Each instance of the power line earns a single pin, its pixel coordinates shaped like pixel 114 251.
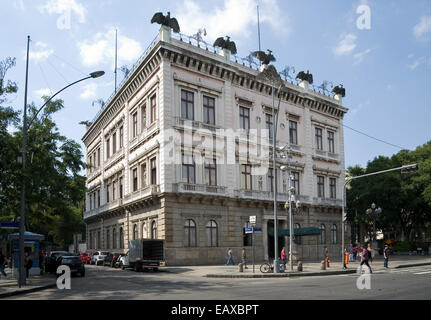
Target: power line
pixel 393 145
pixel 69 64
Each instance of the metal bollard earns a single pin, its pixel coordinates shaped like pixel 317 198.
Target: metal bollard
pixel 299 265
pixel 241 267
pixel 323 265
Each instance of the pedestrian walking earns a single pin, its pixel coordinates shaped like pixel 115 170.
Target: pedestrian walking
pixel 350 252
pixel 355 252
pixel 327 257
pixel 346 258
pixel 3 262
pixel 28 264
pixel 358 251
pixel 370 253
pixel 284 258
pixel 229 257
pixel 386 256
pixel 244 258
pixel 364 259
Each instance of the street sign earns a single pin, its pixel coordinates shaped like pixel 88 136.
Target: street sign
pixel 9 225
pixel 252 220
pixel 248 230
pixel 258 229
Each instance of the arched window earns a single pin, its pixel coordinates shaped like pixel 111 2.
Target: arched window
pixel 334 234
pixel 211 228
pixel 135 231
pixel 114 238
pixel 107 239
pixel 154 230
pixel 190 233
pixel 121 238
pixel 297 239
pixel 144 231
pixel 322 234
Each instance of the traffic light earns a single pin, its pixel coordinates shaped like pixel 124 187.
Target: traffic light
pixel 410 168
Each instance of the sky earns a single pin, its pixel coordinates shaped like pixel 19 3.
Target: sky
pixel 379 50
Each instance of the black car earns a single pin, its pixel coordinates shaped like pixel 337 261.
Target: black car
pixel 110 259
pixel 74 263
pixel 51 261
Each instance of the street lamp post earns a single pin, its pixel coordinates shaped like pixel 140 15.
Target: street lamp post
pixel 374 212
pixel 25 128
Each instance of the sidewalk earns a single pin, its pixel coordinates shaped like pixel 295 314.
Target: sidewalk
pixel 9 286
pixel 312 268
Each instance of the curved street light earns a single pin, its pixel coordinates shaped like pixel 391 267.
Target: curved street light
pixel 96 74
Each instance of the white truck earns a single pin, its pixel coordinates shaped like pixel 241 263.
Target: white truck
pixel 146 254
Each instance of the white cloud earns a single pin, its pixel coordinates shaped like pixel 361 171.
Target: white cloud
pixel 101 49
pixel 90 91
pixel 64 7
pixel 42 92
pixel 346 45
pixel 359 57
pixel 422 28
pixel 19 4
pixel 416 63
pixel 40 52
pixel 235 18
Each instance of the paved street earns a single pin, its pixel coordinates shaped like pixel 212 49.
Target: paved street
pixel 184 284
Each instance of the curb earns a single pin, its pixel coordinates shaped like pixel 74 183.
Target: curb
pixel 306 274
pixel 25 291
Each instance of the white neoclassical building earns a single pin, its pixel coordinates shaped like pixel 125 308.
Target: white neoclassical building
pixel 181 152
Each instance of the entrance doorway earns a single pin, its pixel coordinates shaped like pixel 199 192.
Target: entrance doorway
pixel 281 240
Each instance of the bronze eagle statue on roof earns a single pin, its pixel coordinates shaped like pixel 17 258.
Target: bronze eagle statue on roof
pixel 166 21
pixel 264 58
pixel 340 90
pixel 305 76
pixel 225 44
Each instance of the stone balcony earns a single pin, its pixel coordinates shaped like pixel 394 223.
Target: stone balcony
pixel 142 193
pixel 197 188
pixel 114 204
pixel 327 202
pixel 193 124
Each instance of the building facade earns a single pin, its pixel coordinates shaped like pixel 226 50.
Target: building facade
pixel 182 152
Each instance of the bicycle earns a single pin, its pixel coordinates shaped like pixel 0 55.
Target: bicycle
pixel 268 267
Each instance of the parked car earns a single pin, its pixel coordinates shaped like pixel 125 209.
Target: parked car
pixel 52 260
pixel 98 257
pixel 119 261
pixel 74 263
pixel 110 259
pixel 85 257
pixel 123 261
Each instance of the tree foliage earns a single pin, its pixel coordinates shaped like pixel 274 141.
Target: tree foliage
pixel 54 187
pixel 405 199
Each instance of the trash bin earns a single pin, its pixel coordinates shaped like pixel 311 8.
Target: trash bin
pixel 323 265
pixel 241 267
pixel 299 265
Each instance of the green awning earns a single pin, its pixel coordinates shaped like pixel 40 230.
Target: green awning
pixel 307 231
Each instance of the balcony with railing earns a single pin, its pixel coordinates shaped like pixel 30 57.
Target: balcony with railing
pixel 193 124
pixel 326 155
pixel 327 202
pixel 142 193
pixel 197 188
pixel 114 204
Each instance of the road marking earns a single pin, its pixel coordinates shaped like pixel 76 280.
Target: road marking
pixel 426 272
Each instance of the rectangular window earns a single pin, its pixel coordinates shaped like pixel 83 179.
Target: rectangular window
pixel 209 110
pixel 121 137
pixel 144 116
pixel 269 124
pixel 246 177
pixel 153 171
pixel 293 132
pixel 114 143
pixel 113 190
pixel 331 144
pixel 333 188
pixel 144 175
pixel 135 179
pixel 295 182
pixel 108 144
pixel 107 193
pixel 91 201
pixel 320 186
pixel 91 163
pixel 271 179
pixel 211 172
pixel 244 118
pixel 98 198
pixel 134 124
pixel 187 105
pixel 153 103
pixel 319 141
pixel 121 188
pixel 188 169
pixel 98 157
